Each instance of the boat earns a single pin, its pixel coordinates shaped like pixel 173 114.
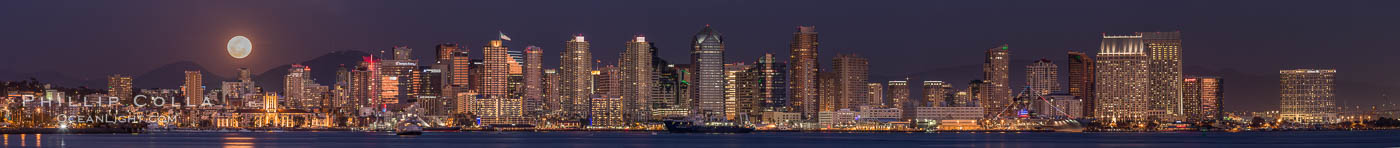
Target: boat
pixel 409 126
pixel 699 126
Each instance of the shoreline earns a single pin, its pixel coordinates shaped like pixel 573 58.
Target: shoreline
pixel 134 131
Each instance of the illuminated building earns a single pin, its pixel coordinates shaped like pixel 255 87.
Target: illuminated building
pixel 1043 77
pixel 669 88
pixel 876 92
pixel 1057 105
pixel 119 86
pixel 637 81
pixel 365 83
pixel 298 87
pixel 1202 96
pixel 429 93
pixel 552 102
pixel 607 81
pixel 1164 65
pixel 1081 80
pixel 837 119
pixel 731 89
pixel 396 76
pixel 763 88
pixel 707 57
pixel 458 77
pixel 534 95
pixel 606 112
pixel 829 87
pixel 575 67
pixel 1122 79
pixel 995 94
pixel 444 52
pixel 949 113
pixel 193 88
pixel 899 96
pixel 804 70
pixel 1308 95
pixel 851 79
pixel 496 68
pixel 937 93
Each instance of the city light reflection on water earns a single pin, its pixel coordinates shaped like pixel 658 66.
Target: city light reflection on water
pixel 238 142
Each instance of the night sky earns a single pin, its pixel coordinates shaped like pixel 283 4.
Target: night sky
pixel 91 39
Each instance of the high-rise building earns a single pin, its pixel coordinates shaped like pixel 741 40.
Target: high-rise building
pixel 1308 95
pixel 494 101
pixel 804 71
pixel 937 93
pixel 637 80
pixel 830 89
pixel 606 111
pixel 534 81
pixel 1043 77
pixel 396 76
pixel 731 89
pixel 607 81
pixel 1202 96
pixel 668 91
pixel 1121 88
pixel 194 85
pixel 1081 81
pixel 852 77
pixel 458 77
pixel 1164 66
pixel 995 96
pixel 552 101
pixel 429 93
pixel 296 84
pixel 119 85
pixel 575 73
pixel 444 52
pixel 899 96
pixel 876 94
pixel 763 88
pixel 707 55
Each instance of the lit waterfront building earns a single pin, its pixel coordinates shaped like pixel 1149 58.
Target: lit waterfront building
pixel 1122 79
pixel 731 89
pixel 707 56
pixel 1043 77
pixel 429 92
pixel 194 84
pixel 396 76
pixel 119 86
pixel 937 93
pixel 876 92
pixel 1164 66
pixel 830 91
pixel 837 119
pixel 804 70
pixel 899 97
pixel 458 77
pixel 1308 95
pixel 637 81
pixel 763 88
pixel 364 83
pixel 852 74
pixel 552 101
pixel 297 87
pixel 1058 105
pixel 995 94
pixel 575 74
pixel 948 113
pixel 1081 80
pixel 496 67
pixel 534 82
pixel 606 112
pixel 1202 96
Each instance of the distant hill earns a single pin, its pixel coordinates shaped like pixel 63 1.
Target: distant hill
pixel 322 69
pixel 53 77
pixel 173 75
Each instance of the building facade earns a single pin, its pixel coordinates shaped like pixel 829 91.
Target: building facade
pixel 1307 95
pixel 1122 79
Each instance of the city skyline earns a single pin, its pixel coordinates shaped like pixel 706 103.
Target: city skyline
pixel 1202 50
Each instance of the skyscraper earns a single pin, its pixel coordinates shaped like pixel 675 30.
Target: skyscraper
pixel 937 93
pixel 1043 77
pixel 804 71
pixel 1122 79
pixel 444 52
pixel 576 67
pixel 852 77
pixel 396 76
pixel 552 101
pixel 876 94
pixel 1081 81
pixel 458 75
pixel 995 95
pixel 1202 96
pixel 296 83
pixel 637 71
pixel 429 92
pixel 1164 66
pixel 495 68
pixel 731 89
pixel 707 55
pixel 1308 95
pixel 194 85
pixel 899 95
pixel 763 88
pixel 119 85
pixel 534 79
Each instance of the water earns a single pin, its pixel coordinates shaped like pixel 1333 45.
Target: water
pixel 661 139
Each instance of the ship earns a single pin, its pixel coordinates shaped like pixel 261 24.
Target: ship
pixel 698 126
pixel 409 126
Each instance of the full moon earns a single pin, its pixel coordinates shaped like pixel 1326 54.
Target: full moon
pixel 239 47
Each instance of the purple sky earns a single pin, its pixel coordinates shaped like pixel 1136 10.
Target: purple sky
pixel 95 38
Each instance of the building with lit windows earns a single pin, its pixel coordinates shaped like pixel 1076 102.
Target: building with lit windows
pixel 1081 80
pixel 804 70
pixel 1203 97
pixel 1307 95
pixel 707 56
pixel 1122 79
